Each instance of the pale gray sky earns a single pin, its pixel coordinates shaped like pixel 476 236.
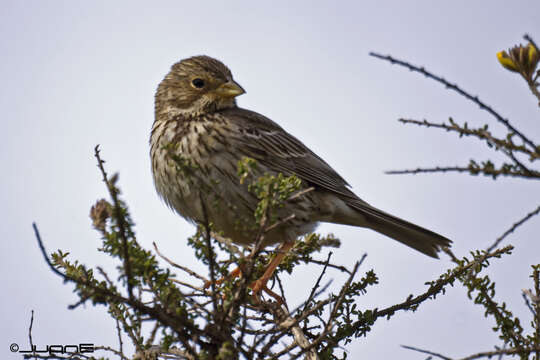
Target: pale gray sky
pixel 80 73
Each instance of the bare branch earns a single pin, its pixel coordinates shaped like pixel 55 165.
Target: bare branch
pixel 526 294
pixel 435 287
pixel 440 356
pixel 481 133
pixel 457 89
pixel 120 343
pixel 536 300
pixel 505 170
pixel 484 354
pixel 512 228
pixel 30 330
pixel 317 283
pixel 178 266
pixel 279 223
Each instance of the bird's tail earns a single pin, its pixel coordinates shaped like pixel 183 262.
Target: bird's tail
pixel 417 237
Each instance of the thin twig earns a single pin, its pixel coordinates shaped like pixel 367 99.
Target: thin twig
pixel 481 133
pixel 426 352
pixel 228 243
pixel 434 288
pixel 488 354
pixel 467 169
pixel 179 325
pixel 30 331
pixel 211 256
pixel 528 172
pixel 490 305
pixel 178 266
pixel 501 355
pixel 282 291
pixel 120 220
pixel 329 325
pixel 300 193
pixel 298 320
pixel 120 343
pixel 524 294
pixel 457 89
pixel 196 288
pixel 104 274
pixel 315 296
pixel 44 253
pixel 330 265
pixel 280 222
pixel 512 228
pixel 317 283
pixel 536 281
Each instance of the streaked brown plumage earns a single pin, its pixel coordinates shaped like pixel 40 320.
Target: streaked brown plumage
pixel 196 112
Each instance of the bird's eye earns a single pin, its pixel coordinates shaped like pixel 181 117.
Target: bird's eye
pixel 198 83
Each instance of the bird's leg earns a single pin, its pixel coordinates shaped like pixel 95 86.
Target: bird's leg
pixel 260 284
pixel 235 273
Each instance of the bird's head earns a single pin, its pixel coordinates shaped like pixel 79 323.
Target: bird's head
pixel 195 86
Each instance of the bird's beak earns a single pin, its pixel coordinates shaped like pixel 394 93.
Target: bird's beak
pixel 229 90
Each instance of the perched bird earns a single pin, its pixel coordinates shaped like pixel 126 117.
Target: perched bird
pixel 197 121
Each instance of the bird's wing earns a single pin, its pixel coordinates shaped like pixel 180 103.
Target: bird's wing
pixel 269 144
pixel 265 141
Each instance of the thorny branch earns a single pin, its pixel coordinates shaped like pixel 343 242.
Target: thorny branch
pixel 269 334
pixel 481 133
pixel 118 215
pixel 260 343
pixel 522 60
pixel 484 354
pixel 460 91
pixel 487 168
pixel 507 146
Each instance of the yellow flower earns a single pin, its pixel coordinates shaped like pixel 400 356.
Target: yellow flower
pixel 521 59
pixel 533 54
pixel 506 61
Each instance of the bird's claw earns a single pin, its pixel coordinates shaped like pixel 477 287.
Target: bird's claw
pixel 235 273
pixel 260 285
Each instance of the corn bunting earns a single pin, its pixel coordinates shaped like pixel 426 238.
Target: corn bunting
pixel 198 121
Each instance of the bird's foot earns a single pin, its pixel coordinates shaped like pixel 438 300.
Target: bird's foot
pixel 256 287
pixel 235 273
pixel 260 285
